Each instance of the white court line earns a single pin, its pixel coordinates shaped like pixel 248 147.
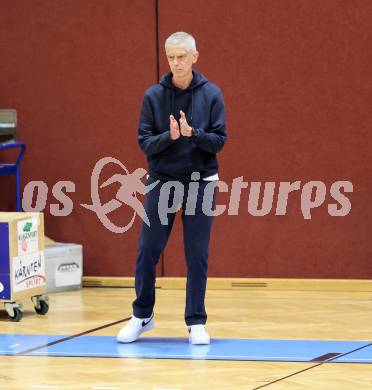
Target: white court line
pixel 4 353
pixel 14 345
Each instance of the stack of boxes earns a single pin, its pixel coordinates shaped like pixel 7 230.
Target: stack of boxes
pixel 64 266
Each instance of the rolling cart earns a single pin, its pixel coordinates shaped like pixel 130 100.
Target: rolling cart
pixel 22 263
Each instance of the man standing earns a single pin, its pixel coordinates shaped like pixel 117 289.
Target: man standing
pixel 182 127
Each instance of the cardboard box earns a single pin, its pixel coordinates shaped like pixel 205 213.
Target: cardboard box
pixel 22 261
pixel 64 266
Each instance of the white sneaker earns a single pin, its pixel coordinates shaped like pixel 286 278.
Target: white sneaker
pixel 134 328
pixel 198 335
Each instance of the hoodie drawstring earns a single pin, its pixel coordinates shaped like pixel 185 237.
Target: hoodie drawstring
pixel 172 102
pixel 192 105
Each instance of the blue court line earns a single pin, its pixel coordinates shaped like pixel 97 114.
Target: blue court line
pixel 180 348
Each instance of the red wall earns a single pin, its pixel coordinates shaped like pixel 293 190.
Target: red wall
pixel 76 73
pixel 297 84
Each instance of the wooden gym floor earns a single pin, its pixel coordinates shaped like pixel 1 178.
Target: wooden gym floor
pixel 251 314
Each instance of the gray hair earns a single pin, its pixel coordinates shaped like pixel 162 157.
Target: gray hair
pixel 181 37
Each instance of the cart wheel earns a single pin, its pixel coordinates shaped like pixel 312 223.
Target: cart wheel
pixel 18 314
pixel 14 310
pixel 41 304
pixel 43 309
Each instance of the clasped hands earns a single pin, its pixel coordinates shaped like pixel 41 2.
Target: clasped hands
pixel 182 128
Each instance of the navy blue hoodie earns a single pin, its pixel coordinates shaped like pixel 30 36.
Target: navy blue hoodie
pixel 203 104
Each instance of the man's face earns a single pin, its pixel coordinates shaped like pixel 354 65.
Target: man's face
pixel 180 59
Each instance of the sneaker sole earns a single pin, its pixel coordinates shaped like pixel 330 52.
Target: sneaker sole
pixel 199 342
pixel 148 327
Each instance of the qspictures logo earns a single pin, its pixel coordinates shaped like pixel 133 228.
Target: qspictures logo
pixel 172 193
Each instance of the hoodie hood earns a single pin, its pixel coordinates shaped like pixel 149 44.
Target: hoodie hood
pixel 197 81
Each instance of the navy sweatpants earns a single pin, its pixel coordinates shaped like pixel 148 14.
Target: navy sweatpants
pixel 153 239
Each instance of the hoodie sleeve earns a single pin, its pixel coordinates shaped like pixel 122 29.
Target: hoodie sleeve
pixel 212 140
pixel 150 141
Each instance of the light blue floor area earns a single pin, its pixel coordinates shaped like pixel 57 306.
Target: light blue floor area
pixel 179 348
pixel 362 356
pixel 11 344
